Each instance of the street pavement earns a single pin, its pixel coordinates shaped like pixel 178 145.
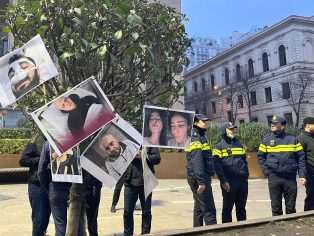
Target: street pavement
pixel 172 207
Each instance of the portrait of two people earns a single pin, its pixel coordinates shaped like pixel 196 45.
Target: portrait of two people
pixel 167 128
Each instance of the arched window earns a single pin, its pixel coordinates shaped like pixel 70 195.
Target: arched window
pixel 265 62
pixel 251 68
pixel 195 87
pixel 184 89
pixel 238 72
pixel 308 51
pixel 227 76
pixel 212 82
pixel 282 55
pixel 203 84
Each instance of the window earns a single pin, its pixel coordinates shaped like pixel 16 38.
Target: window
pixel 269 119
pixel 288 117
pixel 213 107
pixel 238 72
pixel 228 100
pixel 240 101
pixel 229 116
pixel 282 55
pixel 227 76
pixel 265 62
pixel 254 119
pixel 5 47
pixel 285 90
pixel 253 98
pixel 268 94
pixel 185 89
pixel 212 82
pixel 203 84
pixel 251 68
pixel 195 87
pixel 204 109
pixel 241 121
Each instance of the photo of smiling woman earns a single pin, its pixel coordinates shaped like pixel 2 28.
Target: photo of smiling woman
pixel 155 127
pixel 180 125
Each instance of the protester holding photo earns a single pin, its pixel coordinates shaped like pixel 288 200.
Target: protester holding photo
pixel 38 198
pixel 67 164
pixel 180 127
pixel 134 189
pixel 58 192
pixel 120 154
pixel 155 127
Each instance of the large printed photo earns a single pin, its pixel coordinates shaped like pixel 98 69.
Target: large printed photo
pixel 74 116
pixel 168 128
pixel 112 151
pixel 23 70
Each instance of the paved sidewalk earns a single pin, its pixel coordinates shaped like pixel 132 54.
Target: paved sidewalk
pixel 172 207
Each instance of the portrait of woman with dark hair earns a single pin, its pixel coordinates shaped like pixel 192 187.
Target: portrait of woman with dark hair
pixel 180 125
pixel 155 128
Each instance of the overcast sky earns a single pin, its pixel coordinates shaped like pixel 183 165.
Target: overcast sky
pixel 219 18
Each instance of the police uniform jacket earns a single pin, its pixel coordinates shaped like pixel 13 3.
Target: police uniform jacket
pixel 282 155
pixel 200 162
pixel 230 159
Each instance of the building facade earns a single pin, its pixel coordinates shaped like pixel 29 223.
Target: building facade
pixel 270 62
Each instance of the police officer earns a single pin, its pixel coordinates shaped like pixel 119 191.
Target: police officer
pixel 200 166
pixel 232 171
pixel 280 156
pixel 306 139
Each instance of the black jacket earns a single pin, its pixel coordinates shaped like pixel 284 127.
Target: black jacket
pixel 230 159
pixel 307 141
pixel 200 163
pixel 282 155
pixel 133 176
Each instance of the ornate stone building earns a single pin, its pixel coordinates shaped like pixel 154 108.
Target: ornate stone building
pixel 263 71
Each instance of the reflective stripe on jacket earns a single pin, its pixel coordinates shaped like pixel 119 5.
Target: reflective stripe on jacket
pixel 281 154
pixel 230 159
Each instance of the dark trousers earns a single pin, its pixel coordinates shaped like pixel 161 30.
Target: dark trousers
pixel 309 199
pixel 204 205
pixel 58 198
pixel 131 194
pixel 282 187
pixel 117 191
pixel 92 196
pixel 39 202
pixel 236 196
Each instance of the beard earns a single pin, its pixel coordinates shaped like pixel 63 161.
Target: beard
pixel 20 89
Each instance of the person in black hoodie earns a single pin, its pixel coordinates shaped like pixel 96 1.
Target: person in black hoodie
pixel 232 170
pixel 200 166
pixel 306 138
pixel 134 189
pixel 38 198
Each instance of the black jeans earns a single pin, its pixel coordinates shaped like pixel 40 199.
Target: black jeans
pixel 131 194
pixel 236 196
pixel 58 198
pixel 204 205
pixel 309 186
pixel 93 194
pixel 117 191
pixel 282 187
pixel 39 202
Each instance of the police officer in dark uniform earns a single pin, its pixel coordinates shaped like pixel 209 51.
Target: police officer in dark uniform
pixel 306 138
pixel 232 171
pixel 280 156
pixel 200 166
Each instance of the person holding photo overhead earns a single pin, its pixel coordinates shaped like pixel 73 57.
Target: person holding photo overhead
pixel 179 124
pixel 155 128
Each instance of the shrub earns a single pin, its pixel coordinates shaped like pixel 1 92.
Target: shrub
pixel 251 135
pixel 213 133
pixel 290 129
pixel 17 133
pixel 12 146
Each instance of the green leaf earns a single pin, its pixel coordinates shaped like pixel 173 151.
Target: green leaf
pixel 78 11
pixel 6 29
pixel 124 8
pixel 66 55
pixel 135 36
pixel 42 18
pixel 71 42
pixel 118 35
pixel 102 50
